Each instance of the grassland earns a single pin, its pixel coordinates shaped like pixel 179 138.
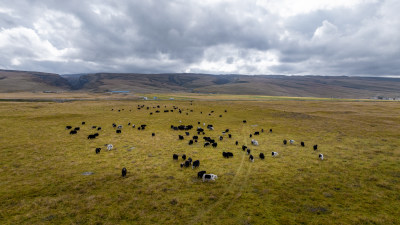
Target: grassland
pixel 41 165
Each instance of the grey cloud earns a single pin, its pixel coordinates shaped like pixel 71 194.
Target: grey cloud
pixel 171 36
pixel 229 60
pixel 361 45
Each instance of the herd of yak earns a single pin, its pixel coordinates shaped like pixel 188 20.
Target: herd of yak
pixel 208 141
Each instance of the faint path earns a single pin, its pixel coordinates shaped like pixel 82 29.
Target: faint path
pixel 198 219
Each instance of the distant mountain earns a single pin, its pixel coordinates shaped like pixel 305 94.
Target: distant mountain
pixel 273 85
pixel 21 81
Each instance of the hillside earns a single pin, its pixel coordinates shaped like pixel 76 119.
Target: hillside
pixel 24 81
pixel 300 86
pixel 271 85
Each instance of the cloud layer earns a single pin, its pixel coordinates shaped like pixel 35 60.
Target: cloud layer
pixel 248 37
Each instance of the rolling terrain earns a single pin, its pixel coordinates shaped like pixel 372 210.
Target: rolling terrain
pixel 299 86
pixel 43 169
pixel 274 85
pixel 25 81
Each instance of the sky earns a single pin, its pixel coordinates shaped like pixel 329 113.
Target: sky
pixel 254 37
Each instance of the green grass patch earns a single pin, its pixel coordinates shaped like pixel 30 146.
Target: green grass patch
pixel 42 165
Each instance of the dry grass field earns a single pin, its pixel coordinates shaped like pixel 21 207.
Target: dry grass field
pixel 42 165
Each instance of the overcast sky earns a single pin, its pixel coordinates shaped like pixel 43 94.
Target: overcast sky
pixel 326 37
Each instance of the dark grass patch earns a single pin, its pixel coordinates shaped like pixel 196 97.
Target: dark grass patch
pixel 317 209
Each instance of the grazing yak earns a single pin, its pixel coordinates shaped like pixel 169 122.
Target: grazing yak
pixel 180 137
pixel 227 154
pixel 98 150
pixel 190 142
pixel 91 136
pixel 248 151
pixel 184 157
pixel 291 141
pixel 196 164
pixel 257 133
pixel 200 174
pixel 244 147
pixel 274 154
pixel 109 147
pixel 208 177
pixel 118 131
pixel 230 135
pixel 251 158
pixel 321 156
pixel 153 134
pixel 186 163
pixel 302 144
pixel 215 144
pixel 124 171
pixel 68 127
pixel 262 156
pixel 236 143
pixel 175 156
pixel 315 147
pixel 254 142
pixel 73 132
pixel 284 142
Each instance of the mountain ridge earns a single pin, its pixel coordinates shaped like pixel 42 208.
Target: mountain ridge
pixel 273 85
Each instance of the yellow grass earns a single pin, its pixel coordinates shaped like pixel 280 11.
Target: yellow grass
pixel 41 165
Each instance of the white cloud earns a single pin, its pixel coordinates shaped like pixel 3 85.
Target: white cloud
pixel 227 59
pixel 287 8
pixel 27 44
pixel 326 32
